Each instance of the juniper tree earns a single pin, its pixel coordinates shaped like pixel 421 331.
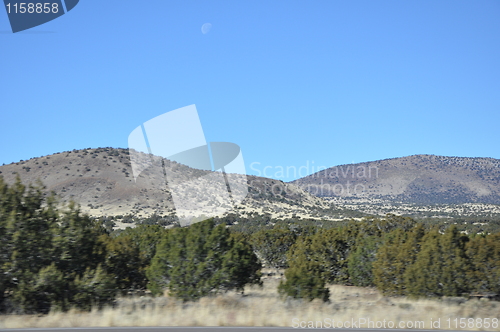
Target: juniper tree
pixel 44 251
pixel 441 266
pixel 201 260
pixel 272 245
pixel 397 254
pixel 304 278
pixel 361 259
pixel 315 260
pixel 129 252
pixel 125 262
pixel 484 254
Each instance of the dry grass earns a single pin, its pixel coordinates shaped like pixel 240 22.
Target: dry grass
pixel 262 307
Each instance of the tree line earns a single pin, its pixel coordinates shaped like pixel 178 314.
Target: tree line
pixel 397 256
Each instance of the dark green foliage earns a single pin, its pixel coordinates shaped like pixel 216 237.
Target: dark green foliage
pixel 240 266
pixel 55 260
pixel 129 253
pixel 272 245
pixel 146 238
pixel 474 224
pixel 435 264
pixel 366 236
pixel 305 277
pixel 28 229
pixel 255 222
pixel 78 242
pixel 374 226
pixel 249 225
pixel 385 252
pixel 200 260
pixel 331 249
pixel 158 220
pixel 361 259
pixel 484 254
pixel 315 260
pixel 41 291
pixel 125 262
pixel 47 256
pixel 396 255
pixel 94 288
pixel 398 252
pixel 441 266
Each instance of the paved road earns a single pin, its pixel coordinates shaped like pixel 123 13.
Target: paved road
pixel 205 329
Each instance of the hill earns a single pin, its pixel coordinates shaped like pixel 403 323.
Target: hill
pixel 418 179
pixel 101 181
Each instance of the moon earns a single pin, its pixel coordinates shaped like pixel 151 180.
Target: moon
pixel 205 28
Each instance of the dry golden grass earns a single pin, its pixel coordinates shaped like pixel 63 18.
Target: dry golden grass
pixel 262 307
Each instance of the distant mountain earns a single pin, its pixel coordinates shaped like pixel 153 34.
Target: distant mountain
pixel 420 179
pixel 101 181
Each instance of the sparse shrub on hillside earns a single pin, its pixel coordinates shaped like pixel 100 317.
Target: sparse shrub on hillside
pixel 246 225
pixel 128 218
pixel 156 219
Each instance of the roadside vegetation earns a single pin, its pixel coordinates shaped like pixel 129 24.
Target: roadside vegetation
pixel 262 306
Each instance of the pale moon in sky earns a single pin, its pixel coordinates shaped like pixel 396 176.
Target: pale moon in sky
pixel 205 28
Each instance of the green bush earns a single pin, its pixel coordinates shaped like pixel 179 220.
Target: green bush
pixel 46 254
pixel 305 277
pixel 201 260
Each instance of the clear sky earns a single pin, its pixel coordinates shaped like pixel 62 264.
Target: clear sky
pixel 293 83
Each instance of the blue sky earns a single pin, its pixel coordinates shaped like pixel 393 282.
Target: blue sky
pixel 293 83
